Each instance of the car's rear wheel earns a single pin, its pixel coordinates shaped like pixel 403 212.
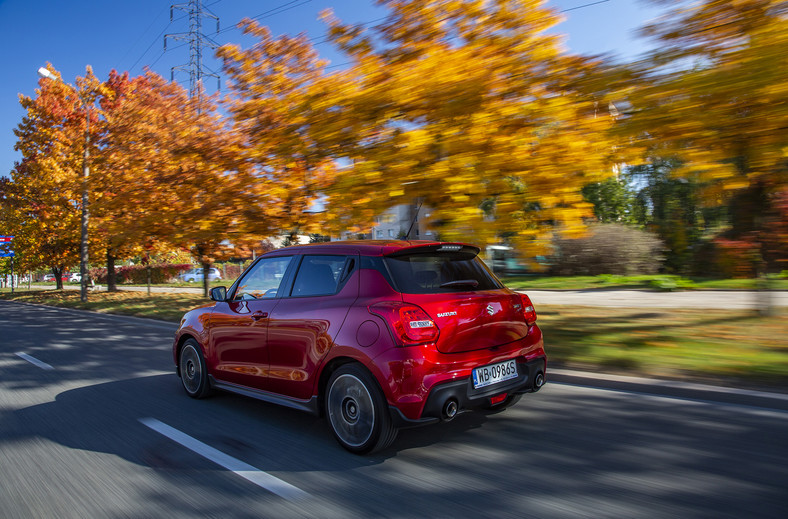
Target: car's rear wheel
pixel 357 412
pixel 194 375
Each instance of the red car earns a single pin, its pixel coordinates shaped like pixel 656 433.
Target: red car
pixel 375 335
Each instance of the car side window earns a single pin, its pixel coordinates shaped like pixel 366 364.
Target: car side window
pixel 263 279
pixel 320 275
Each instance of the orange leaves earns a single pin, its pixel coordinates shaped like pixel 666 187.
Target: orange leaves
pixel 278 108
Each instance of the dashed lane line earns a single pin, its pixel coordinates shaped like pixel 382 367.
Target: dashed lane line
pixel 246 471
pixel 34 361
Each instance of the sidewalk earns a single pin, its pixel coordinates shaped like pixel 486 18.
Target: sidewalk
pixel 716 299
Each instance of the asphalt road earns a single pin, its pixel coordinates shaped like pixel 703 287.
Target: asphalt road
pixel 93 423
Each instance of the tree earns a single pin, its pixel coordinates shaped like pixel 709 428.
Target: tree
pixel 277 101
pixel 670 207
pixel 713 97
pixel 135 190
pixel 43 201
pixel 613 200
pixel 465 106
pixel 210 190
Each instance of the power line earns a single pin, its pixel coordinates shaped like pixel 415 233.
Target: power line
pixel 318 40
pixel 325 39
pixel 143 35
pixel 292 4
pixel 271 12
pixel 157 38
pixel 582 6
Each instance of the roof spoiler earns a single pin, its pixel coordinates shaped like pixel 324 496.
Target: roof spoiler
pixel 463 248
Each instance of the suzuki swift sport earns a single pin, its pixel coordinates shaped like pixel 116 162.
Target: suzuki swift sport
pixel 374 335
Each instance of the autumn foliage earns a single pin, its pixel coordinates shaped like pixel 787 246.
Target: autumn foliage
pixel 472 109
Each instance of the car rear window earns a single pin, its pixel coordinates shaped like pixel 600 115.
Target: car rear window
pixel 440 272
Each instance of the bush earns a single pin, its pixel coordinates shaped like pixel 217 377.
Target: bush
pixel 736 258
pixel 138 274
pixel 724 258
pixel 608 249
pixel 663 283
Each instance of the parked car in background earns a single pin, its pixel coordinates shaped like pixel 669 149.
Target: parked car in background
pixel 375 335
pixel 51 277
pixel 75 278
pixel 196 274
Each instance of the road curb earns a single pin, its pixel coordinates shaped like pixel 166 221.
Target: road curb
pixel 671 388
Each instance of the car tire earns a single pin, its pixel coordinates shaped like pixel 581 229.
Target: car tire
pixel 191 367
pixel 357 412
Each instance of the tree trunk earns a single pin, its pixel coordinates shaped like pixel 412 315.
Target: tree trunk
pixel 58 272
pixel 112 285
pixel 206 267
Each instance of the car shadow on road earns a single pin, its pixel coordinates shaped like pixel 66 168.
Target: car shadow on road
pixel 106 417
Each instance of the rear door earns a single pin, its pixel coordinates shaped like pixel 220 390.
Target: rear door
pixel 304 324
pixel 471 308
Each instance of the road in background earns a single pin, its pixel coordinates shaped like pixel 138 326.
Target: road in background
pixel 719 299
pixel 72 444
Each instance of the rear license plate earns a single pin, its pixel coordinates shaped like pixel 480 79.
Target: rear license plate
pixel 494 373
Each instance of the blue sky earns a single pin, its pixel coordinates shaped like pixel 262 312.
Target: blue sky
pixel 127 36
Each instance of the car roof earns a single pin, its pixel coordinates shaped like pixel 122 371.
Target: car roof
pixel 369 247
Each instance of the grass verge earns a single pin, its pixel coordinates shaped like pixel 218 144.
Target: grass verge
pixel 683 343
pixel 165 307
pixel 651 282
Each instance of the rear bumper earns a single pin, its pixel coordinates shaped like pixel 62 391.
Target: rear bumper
pixel 532 375
pixel 418 380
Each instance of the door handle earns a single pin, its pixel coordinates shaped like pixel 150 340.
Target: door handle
pixel 259 315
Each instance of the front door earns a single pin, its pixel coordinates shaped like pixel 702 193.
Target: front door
pixel 239 327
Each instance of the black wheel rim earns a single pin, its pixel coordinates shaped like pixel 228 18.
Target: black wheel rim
pixel 351 410
pixel 191 369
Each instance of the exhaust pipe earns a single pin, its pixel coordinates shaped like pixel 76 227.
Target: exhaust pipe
pixel 538 381
pixel 450 409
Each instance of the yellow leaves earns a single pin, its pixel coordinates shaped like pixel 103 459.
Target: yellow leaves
pixel 725 117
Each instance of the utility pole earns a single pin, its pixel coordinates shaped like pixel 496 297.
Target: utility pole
pixel 197 41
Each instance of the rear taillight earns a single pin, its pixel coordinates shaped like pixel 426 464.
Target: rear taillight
pixel 410 324
pixel 529 314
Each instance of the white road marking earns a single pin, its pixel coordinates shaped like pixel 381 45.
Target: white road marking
pixel 246 471
pixel 33 360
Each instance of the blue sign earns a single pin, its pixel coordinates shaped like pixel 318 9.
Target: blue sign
pixel 6 247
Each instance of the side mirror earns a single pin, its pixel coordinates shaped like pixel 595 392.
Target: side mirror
pixel 219 294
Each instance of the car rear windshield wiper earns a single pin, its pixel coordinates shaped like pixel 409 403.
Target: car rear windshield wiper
pixel 461 283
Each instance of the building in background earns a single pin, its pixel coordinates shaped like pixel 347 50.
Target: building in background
pixel 394 223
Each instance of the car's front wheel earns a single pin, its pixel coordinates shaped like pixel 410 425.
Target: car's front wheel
pixel 357 412
pixel 194 375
